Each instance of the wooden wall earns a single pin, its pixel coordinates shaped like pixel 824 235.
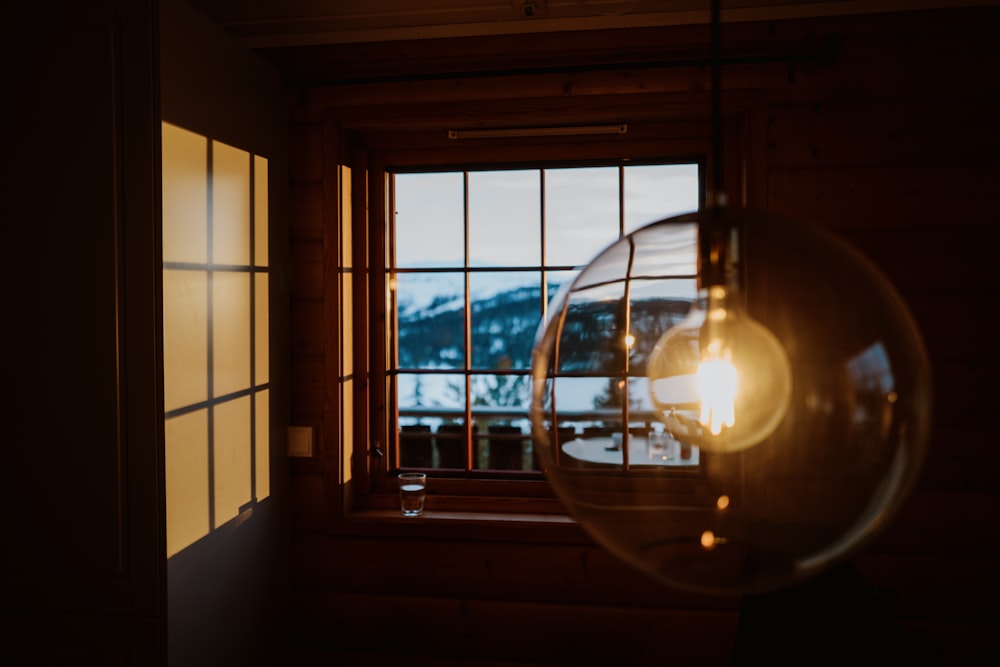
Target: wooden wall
pixel 81 551
pixel 892 144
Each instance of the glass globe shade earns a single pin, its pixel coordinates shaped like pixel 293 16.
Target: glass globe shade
pixel 838 423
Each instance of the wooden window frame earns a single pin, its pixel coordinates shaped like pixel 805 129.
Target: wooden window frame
pixel 521 508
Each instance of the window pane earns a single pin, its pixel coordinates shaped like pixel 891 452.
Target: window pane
pixel 506 310
pixel 500 405
pixel 504 218
pixel 556 280
pixel 347 326
pixel 657 306
pixel 431 315
pixel 260 210
pixel 347 434
pixel 502 399
pixel 430 398
pixel 449 444
pixel 577 398
pixel 594 404
pixel 581 213
pixel 667 251
pixel 430 220
pixel 654 192
pixel 416 446
pixel 594 335
pixel 505 445
pixel 347 220
pixel 262 320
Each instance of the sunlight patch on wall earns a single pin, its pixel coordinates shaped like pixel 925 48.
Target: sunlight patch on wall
pixel 215 333
pixel 185 355
pixel 346 342
pixel 231 459
pixel 187 480
pixel 230 332
pixel 262 462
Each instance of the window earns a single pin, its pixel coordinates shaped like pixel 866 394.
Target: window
pixel 383 397
pixel 475 254
pixel 449 252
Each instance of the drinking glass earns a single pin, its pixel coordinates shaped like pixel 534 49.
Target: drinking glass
pixel 412 493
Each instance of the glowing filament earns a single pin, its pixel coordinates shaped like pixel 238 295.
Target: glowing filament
pixel 717 381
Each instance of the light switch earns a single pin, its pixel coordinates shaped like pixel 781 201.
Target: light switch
pixel 300 441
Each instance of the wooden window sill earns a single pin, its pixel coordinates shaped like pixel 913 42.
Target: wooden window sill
pixel 463 525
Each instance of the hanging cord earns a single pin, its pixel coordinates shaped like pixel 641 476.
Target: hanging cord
pixel 718 192
pixel 713 233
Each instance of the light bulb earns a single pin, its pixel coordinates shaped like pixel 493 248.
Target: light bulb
pixel 719 379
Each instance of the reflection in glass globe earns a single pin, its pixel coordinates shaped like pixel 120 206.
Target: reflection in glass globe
pixel 821 435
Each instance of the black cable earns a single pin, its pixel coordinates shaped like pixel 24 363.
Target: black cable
pixel 716 84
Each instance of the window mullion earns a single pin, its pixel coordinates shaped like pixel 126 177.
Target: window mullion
pixel 470 449
pixel 621 201
pixel 543 288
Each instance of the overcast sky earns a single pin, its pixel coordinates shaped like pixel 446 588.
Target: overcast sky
pixel 581 213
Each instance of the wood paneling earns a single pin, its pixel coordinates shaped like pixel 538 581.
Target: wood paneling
pixel 297 22
pixel 892 146
pixel 468 630
pixel 83 548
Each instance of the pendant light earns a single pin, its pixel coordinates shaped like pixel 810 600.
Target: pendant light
pixel 781 361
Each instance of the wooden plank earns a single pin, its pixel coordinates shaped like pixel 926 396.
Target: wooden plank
pixel 307 383
pixel 913 197
pixel 919 54
pixel 947 344
pixel 470 628
pixel 643 109
pixel 871 133
pixel 308 498
pixel 938 643
pixel 306 271
pixel 944 590
pixel 961 459
pixel 499 570
pixel 307 329
pixel 955 524
pixel 437 57
pixel 306 150
pixel 928 262
pixel 306 220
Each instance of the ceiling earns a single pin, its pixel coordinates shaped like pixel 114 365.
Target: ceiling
pixel 263 24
